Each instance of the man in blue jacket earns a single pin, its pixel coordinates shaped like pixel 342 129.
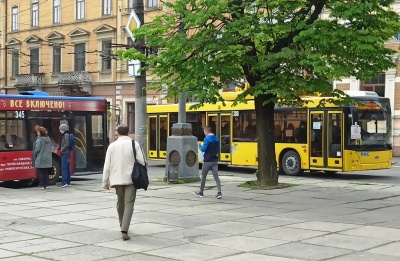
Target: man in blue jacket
pixel 211 148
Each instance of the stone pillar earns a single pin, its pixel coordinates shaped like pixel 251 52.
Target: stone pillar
pixel 182 161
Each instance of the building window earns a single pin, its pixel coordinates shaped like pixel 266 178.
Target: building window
pixel 80 57
pixel 56 12
pixel 131 117
pixel 14 18
pixel 107 7
pixel 56 59
pixel 34 62
pixel 152 3
pixel 375 84
pixel 106 61
pixel 15 63
pixel 35 15
pixel 80 9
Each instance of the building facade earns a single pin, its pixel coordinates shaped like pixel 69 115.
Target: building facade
pixel 65 48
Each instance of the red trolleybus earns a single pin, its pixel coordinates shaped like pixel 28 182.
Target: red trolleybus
pixel 86 118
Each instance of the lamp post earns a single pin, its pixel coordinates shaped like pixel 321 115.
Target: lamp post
pixel 182 162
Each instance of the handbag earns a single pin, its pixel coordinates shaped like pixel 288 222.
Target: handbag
pixel 139 175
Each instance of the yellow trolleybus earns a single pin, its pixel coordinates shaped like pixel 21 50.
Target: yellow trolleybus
pixel 332 138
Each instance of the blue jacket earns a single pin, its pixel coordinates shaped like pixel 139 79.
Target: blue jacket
pixel 210 148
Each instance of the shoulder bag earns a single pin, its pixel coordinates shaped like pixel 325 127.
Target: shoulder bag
pixel 139 175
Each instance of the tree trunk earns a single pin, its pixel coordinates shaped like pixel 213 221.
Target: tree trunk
pixel 267 166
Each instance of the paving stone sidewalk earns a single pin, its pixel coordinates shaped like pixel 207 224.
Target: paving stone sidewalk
pixel 316 220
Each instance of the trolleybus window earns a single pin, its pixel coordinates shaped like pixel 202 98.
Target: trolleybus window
pixel 12 128
pixel 375 124
pixel 290 125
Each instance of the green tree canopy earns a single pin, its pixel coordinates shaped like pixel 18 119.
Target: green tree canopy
pixel 284 49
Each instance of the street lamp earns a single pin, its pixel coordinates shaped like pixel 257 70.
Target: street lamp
pixel 181 162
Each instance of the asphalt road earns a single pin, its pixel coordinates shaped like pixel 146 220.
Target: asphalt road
pixel 387 176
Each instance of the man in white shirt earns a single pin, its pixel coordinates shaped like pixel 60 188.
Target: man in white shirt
pixel 117 171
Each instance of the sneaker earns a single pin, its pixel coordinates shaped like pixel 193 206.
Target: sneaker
pixel 125 236
pixel 42 187
pixel 69 185
pixel 199 194
pixel 219 195
pixel 64 186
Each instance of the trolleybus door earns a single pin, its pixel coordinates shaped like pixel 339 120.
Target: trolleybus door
pixel 163 135
pixel 220 125
pixel 83 146
pixel 317 151
pixel 212 121
pixel 153 136
pixel 225 137
pixel 334 140
pixel 158 134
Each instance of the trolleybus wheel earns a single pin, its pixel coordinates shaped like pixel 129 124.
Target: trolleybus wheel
pixel 291 163
pixel 55 173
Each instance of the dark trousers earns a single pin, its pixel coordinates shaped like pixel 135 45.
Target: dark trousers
pixel 43 176
pixel 65 170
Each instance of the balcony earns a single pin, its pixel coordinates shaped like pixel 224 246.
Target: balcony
pixel 29 82
pixel 75 83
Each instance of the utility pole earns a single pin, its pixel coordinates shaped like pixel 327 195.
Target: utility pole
pixel 140 87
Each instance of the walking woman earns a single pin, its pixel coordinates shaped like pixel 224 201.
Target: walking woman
pixel 42 157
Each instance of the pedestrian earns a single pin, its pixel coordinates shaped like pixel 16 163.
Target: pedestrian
pixel 117 171
pixel 211 149
pixel 42 157
pixel 35 129
pixel 65 156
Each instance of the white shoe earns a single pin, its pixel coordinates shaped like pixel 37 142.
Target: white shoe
pixel 64 186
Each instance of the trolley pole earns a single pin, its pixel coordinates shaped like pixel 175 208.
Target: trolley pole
pixel 182 161
pixel 140 87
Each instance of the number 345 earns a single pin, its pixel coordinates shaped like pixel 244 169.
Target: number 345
pixel 19 114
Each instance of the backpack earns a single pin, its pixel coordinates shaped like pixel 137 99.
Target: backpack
pixel 71 141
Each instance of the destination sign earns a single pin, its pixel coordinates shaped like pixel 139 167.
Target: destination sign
pixel 51 104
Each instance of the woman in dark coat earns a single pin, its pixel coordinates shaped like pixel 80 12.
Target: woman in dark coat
pixel 42 157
